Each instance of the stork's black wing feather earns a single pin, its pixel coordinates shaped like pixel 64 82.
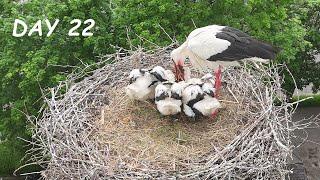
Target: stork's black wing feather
pixel 235 31
pixel 242 46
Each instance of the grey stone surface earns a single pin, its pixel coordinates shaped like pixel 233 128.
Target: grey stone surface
pixel 309 151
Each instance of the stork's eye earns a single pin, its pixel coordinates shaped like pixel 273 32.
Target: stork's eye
pixel 187 60
pixel 133 79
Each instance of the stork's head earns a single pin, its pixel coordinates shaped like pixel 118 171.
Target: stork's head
pixel 178 58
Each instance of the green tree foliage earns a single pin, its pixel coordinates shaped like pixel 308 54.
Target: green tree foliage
pixel 305 69
pixel 28 63
pixel 10 158
pixel 143 17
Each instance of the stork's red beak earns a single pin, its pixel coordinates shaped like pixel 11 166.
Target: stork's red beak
pixel 179 71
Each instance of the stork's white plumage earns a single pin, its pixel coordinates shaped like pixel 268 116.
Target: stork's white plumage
pixel 168 97
pixel 143 82
pixel 170 75
pixel 207 83
pixel 208 106
pixel 216 46
pixel 194 81
pixel 190 96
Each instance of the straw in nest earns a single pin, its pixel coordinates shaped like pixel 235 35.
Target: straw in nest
pixel 89 129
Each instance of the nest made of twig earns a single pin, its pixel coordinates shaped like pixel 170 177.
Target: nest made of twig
pixel 141 137
pixel 90 129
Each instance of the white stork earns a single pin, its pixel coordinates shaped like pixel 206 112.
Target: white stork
pixel 214 46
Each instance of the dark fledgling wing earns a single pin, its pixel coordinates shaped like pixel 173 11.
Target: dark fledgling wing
pixel 158 76
pixel 162 96
pixel 176 96
pixel 198 98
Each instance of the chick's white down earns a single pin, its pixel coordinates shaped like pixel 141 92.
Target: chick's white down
pixel 199 97
pixel 208 84
pixel 196 96
pixel 207 106
pixel 143 82
pixel 191 92
pixel 168 97
pixel 162 74
pixel 139 87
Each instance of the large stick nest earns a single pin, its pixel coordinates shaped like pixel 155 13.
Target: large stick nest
pixel 89 128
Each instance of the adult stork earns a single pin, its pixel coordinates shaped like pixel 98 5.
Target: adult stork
pixel 215 47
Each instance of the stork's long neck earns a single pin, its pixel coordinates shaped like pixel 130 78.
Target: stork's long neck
pixel 182 51
pixel 195 60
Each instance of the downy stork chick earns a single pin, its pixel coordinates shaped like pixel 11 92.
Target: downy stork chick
pixel 208 85
pixel 168 97
pixel 191 95
pixel 170 75
pixel 198 100
pixel 194 81
pixel 162 75
pixel 141 85
pixel 143 82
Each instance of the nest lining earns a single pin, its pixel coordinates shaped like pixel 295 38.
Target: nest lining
pixel 81 128
pixel 135 130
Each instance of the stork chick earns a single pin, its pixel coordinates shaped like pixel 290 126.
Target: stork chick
pixel 199 98
pixel 141 85
pixel 162 75
pixel 168 97
pixel 209 85
pixel 142 82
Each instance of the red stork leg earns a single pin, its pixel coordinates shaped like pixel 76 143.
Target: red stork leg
pixel 217 84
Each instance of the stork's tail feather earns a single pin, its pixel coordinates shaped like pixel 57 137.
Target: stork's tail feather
pixel 265 50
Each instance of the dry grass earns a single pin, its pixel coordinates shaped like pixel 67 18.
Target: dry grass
pixel 136 130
